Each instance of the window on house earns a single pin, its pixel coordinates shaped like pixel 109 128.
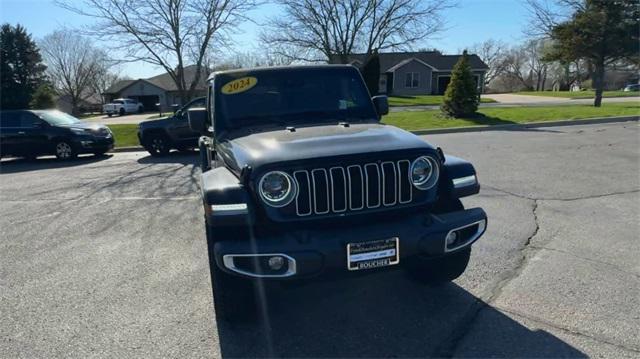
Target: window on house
pixel 412 79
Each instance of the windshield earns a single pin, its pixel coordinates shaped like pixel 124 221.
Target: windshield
pixel 289 96
pixel 58 118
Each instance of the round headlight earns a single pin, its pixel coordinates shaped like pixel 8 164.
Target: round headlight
pixel 277 188
pixel 424 172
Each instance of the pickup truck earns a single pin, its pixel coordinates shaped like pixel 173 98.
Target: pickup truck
pixel 122 106
pixel 301 181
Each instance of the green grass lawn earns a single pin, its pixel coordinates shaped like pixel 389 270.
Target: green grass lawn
pixel 578 94
pixel 125 135
pixel 429 119
pixel 426 100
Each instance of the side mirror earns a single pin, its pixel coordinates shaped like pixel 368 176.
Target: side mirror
pixel 198 120
pixel 381 104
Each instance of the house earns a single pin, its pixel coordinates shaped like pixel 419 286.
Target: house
pixel 418 73
pixel 158 89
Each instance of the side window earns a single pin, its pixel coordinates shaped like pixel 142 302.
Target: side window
pixel 9 119
pixel 29 120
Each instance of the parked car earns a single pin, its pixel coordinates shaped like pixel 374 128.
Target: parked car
pixel 632 87
pixel 33 133
pixel 122 106
pixel 300 180
pixel 158 137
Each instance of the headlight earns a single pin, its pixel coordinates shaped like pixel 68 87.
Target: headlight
pixel 424 172
pixel 277 188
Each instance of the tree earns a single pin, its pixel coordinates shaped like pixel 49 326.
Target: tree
pixel 537 65
pixel 106 75
pixel 21 67
pixel 371 73
pixel 461 97
pixel 491 52
pixel 601 32
pixel 330 30
pixel 604 32
pixel 42 98
pixel 73 63
pixel 172 34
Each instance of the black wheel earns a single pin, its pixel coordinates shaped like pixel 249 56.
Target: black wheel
pixel 439 271
pixel 122 111
pixel 109 114
pixel 234 298
pixel 65 150
pixel 157 144
pixel 444 269
pixel 140 109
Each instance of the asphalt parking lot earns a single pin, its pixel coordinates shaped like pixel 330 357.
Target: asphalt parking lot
pixel 106 257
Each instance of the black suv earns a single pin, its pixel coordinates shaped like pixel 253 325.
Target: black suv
pixel 33 133
pixel 158 137
pixel 301 180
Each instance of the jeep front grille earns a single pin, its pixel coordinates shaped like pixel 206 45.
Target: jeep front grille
pixel 352 188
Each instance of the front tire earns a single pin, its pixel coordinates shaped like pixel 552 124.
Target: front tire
pixel 157 144
pixel 109 114
pixel 65 151
pixel 234 298
pixel 442 270
pixel 122 112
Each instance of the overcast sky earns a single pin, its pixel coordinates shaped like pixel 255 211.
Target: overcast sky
pixel 471 22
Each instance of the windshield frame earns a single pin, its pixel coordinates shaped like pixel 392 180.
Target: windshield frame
pixel 221 124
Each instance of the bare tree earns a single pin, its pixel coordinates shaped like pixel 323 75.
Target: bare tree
pixel 106 76
pixel 491 52
pixel 172 34
pixel 330 30
pixel 72 63
pixel 544 15
pixel 534 51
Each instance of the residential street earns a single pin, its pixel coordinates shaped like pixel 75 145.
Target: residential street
pixel 106 257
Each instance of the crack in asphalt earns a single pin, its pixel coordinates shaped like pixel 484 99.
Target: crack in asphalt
pixel 568 330
pixel 449 346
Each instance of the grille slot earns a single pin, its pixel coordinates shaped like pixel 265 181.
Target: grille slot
pixel 352 188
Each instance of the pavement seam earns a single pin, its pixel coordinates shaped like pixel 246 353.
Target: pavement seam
pixel 566 329
pixel 561 199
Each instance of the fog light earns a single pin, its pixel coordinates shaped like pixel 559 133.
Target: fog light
pixel 276 263
pixel 452 237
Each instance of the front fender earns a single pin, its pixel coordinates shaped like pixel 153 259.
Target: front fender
pixel 226 200
pixel 458 178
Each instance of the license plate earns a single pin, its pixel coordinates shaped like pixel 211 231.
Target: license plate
pixel 373 254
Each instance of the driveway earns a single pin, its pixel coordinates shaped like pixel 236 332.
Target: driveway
pixel 106 257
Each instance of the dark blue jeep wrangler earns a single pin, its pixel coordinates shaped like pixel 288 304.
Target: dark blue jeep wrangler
pixel 301 180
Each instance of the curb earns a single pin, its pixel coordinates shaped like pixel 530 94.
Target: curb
pixel 516 126
pixel 127 149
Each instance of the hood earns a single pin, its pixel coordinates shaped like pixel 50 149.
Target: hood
pixel 259 149
pixel 84 125
pixel 155 122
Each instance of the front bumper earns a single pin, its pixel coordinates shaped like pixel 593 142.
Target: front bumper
pixel 315 252
pixel 89 144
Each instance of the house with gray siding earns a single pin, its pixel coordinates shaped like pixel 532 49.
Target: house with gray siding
pixel 419 73
pixel 157 89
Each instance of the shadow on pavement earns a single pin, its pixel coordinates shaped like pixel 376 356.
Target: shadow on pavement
pixel 14 165
pixel 385 315
pixel 187 158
